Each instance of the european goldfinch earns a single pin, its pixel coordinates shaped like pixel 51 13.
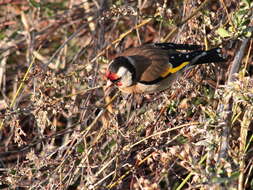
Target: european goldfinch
pixel 154 67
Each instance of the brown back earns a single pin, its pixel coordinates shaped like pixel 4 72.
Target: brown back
pixel 152 61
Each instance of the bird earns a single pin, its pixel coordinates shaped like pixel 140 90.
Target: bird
pixel 154 67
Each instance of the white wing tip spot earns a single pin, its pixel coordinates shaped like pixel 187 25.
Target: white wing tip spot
pixel 203 54
pixel 219 53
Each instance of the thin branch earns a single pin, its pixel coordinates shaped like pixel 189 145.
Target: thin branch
pixel 237 61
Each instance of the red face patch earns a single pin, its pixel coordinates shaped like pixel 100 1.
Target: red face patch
pixel 119 83
pixel 112 76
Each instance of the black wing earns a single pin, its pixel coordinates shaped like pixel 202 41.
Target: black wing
pixel 167 46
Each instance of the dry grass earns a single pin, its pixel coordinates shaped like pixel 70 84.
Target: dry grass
pixel 59 131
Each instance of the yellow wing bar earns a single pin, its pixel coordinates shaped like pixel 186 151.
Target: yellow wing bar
pixel 175 69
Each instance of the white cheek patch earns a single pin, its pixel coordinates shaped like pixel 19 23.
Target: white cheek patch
pixel 126 77
pixel 122 71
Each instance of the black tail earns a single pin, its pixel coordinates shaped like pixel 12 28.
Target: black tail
pixel 210 56
pixel 197 57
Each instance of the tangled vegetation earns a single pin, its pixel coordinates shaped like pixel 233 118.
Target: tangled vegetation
pixel 58 130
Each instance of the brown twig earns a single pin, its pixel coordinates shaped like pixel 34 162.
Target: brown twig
pixel 225 109
pixel 237 60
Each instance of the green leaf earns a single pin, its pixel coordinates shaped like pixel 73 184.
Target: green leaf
pixel 35 4
pixel 247 2
pixel 223 33
pixel 2 36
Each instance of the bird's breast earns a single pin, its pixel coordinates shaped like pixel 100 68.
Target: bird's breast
pixel 139 88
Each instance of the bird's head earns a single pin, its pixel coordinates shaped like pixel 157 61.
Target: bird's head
pixel 121 72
